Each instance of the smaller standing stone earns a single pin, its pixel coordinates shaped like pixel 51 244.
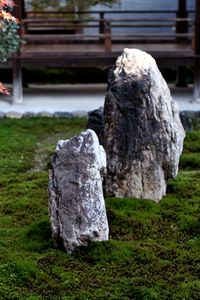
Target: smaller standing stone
pixel 76 202
pixel 186 121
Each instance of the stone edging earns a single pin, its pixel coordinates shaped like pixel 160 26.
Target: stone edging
pixel 187 117
pixel 29 114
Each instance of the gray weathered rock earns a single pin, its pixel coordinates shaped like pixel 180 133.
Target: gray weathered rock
pixel 76 202
pixel 190 119
pixel 186 121
pixel 79 113
pixel 61 114
pixel 143 132
pixel 13 115
pixel 45 113
pixel 29 114
pixel 96 123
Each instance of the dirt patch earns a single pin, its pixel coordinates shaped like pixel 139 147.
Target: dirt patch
pixel 45 148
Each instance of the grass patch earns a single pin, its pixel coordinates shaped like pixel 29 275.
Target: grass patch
pixel 153 251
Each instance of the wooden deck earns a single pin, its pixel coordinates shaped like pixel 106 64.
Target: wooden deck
pixel 96 39
pixel 79 39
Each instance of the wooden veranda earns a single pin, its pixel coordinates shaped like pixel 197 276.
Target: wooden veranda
pixel 85 39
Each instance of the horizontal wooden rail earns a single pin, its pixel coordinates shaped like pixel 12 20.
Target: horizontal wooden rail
pixel 106 12
pixel 105 27
pixel 150 20
pixel 96 38
pixel 85 36
pixel 148 23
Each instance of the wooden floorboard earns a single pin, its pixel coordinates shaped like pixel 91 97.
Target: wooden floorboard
pixel 91 55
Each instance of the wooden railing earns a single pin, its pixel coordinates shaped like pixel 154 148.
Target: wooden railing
pixel 107 27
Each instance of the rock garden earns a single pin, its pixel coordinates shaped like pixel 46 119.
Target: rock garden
pixel 81 222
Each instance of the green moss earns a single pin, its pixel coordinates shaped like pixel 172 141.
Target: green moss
pixel 190 158
pixel 153 251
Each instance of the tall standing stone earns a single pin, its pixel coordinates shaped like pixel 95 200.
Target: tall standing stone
pixel 143 133
pixel 76 202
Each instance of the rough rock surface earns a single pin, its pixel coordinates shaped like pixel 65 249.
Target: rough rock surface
pixel 76 202
pixel 96 123
pixel 186 121
pixel 143 132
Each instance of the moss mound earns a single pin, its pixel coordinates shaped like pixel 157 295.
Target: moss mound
pixel 154 248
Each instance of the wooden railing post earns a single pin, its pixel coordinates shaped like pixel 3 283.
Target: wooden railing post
pixel 101 22
pixel 197 52
pixel 107 36
pixel 182 26
pixel 19 13
pixel 19 9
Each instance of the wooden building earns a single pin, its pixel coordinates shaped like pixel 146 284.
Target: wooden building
pixel 79 39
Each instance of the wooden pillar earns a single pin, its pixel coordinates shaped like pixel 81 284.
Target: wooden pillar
pixel 197 81
pixel 197 53
pixel 181 76
pixel 18 12
pixel 17 81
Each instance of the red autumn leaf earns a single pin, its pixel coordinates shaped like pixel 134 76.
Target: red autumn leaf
pixel 4 90
pixel 6 2
pixel 7 16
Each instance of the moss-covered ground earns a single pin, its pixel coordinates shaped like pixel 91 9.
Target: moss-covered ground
pixel 153 251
